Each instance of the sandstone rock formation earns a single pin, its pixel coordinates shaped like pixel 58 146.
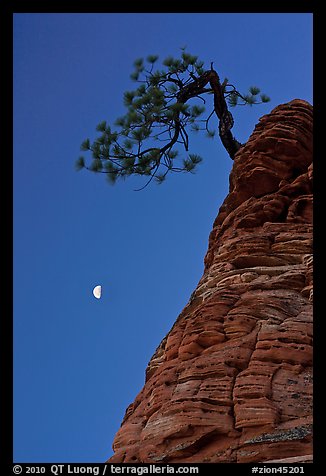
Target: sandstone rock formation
pixel 232 380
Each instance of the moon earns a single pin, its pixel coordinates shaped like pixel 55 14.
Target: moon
pixel 97 291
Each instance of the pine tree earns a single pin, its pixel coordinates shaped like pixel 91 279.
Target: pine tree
pixel 167 103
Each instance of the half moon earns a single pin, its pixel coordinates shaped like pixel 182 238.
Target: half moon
pixel 97 291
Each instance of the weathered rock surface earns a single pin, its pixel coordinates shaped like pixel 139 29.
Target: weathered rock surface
pixel 232 380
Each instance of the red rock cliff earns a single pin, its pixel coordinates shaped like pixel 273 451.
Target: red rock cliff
pixel 232 380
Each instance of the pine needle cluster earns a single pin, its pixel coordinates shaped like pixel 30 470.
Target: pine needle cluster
pixel 151 138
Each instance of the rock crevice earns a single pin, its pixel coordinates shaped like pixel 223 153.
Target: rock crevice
pixel 232 380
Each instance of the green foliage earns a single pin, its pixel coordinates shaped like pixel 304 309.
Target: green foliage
pixel 166 104
pixel 128 144
pixel 210 134
pixel 134 75
pixel 195 159
pixel 112 177
pixel 254 90
pixel 188 165
pixel 199 67
pixel 188 59
pixel 96 165
pixel 128 97
pixel 249 99
pixel 172 154
pixel 80 163
pixel 233 99
pixel 160 178
pixel 101 127
pixel 178 107
pixel 85 145
pixel 197 110
pixel 111 172
pixel 169 61
pixel 155 78
pixel 191 162
pixel 152 58
pixel 120 122
pixel 265 98
pixel 139 64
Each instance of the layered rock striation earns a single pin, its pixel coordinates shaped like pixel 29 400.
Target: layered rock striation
pixel 232 380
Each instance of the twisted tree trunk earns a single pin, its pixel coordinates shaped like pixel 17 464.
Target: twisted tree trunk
pixel 226 122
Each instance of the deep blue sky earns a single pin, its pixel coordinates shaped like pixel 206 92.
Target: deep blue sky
pixel 78 361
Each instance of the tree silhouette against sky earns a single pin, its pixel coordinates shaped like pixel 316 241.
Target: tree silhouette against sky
pixel 167 104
